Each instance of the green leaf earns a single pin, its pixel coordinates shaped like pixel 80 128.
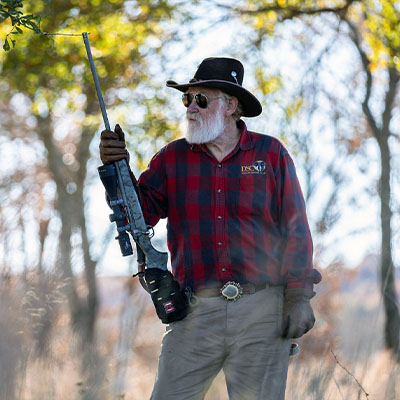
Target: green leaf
pixel 6 45
pixel 31 25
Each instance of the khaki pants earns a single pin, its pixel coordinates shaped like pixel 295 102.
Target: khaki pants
pixel 242 338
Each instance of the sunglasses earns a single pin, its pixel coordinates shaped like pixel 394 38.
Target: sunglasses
pixel 201 99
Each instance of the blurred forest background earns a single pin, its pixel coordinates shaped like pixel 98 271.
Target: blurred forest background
pixel 73 323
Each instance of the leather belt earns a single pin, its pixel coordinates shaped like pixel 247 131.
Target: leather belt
pixel 232 291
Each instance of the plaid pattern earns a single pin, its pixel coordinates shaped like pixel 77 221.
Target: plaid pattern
pixel 242 219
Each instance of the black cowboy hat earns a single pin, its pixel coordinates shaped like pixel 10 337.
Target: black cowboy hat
pixel 225 74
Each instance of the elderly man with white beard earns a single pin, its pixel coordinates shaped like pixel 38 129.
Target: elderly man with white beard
pixel 239 241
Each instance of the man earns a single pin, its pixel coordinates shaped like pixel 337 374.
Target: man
pixel 238 237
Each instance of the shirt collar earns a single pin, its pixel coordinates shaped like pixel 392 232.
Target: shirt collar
pixel 245 142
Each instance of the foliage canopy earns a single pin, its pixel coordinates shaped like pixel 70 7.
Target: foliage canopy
pixel 12 10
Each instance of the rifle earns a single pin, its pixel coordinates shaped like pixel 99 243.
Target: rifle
pixel 171 303
pixel 127 213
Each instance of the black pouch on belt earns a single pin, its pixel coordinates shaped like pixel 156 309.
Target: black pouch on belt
pixel 169 300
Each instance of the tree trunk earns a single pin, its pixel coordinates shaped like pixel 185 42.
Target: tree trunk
pixel 392 322
pixel 93 373
pixel 89 264
pixel 134 304
pixel 91 283
pixel 64 264
pixel 83 310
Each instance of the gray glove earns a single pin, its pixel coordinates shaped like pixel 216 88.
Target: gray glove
pixel 298 316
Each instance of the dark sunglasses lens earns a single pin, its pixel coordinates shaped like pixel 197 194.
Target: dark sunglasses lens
pixel 201 100
pixel 187 99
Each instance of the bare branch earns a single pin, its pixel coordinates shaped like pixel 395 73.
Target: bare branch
pixel 366 65
pixel 394 78
pixel 60 34
pixel 397 137
pixel 358 383
pixel 290 12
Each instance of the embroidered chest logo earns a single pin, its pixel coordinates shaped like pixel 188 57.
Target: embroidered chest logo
pixel 257 168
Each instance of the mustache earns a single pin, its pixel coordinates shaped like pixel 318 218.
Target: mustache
pixel 193 116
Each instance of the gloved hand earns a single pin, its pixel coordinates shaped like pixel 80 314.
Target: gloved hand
pixel 298 316
pixel 112 146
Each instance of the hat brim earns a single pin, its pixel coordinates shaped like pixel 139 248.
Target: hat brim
pixel 251 106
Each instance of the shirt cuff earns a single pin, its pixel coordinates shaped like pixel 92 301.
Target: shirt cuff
pixel 303 278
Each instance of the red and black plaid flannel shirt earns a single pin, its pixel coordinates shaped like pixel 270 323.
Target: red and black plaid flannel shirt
pixel 241 219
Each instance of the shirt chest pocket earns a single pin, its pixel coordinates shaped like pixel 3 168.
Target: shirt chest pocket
pixel 252 194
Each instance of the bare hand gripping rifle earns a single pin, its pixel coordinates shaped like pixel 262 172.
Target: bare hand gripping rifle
pixel 170 301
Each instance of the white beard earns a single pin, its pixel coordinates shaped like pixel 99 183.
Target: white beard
pixel 204 130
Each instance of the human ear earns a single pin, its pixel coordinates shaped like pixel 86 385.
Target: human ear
pixel 232 104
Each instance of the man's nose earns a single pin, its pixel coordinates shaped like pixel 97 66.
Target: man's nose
pixel 193 107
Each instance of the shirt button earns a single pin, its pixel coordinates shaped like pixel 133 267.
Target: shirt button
pixel 223 269
pixel 219 243
pixel 219 190
pixel 219 217
pixel 219 166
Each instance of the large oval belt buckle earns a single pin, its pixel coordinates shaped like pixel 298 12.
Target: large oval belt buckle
pixel 231 291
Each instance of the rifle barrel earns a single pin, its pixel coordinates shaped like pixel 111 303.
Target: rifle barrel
pixel 96 81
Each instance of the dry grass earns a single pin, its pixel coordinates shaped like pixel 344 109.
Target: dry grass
pixel 313 375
